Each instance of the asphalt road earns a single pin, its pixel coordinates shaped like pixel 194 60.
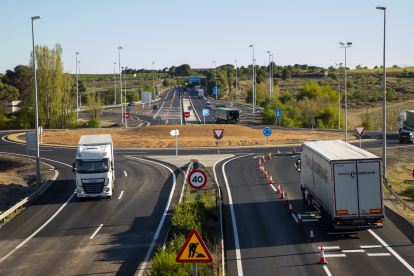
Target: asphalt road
pixel 56 234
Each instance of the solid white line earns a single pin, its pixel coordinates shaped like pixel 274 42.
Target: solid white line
pixel 304 220
pixel 353 251
pixel 125 173
pixel 293 215
pixel 378 254
pixel 327 270
pixel 233 219
pixel 96 232
pixel 392 251
pixel 334 255
pixel 273 187
pixel 371 246
pixel 145 262
pixel 121 195
pixel 328 247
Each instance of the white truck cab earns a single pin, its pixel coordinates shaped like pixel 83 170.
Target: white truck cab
pixel 94 167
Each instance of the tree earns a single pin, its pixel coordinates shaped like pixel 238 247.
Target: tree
pixel 171 71
pixel 110 96
pixel 261 75
pixel 22 79
pixel 165 83
pixel 8 92
pixel 148 88
pixel 133 97
pixel 333 75
pixel 95 108
pixel 183 70
pixel 285 74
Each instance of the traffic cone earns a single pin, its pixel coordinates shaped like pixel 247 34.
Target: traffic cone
pixel 299 218
pixel 286 199
pixel 311 238
pixel 262 168
pixel 270 156
pixel 290 207
pixel 282 195
pixel 278 152
pixel 263 158
pixel 278 188
pixel 265 173
pixel 322 259
pixel 271 180
pixel 260 163
pixel 294 150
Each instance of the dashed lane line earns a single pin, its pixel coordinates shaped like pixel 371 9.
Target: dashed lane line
pixel 327 270
pixel 378 254
pixel 96 232
pixel 121 195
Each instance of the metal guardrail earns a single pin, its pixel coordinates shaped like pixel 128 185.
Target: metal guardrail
pixel 28 199
pixel 398 197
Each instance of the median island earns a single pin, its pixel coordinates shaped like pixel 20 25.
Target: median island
pixel 191 136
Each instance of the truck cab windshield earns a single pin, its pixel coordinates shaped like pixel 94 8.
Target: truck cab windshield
pixel 92 166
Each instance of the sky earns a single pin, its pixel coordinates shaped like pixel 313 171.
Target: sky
pixel 200 32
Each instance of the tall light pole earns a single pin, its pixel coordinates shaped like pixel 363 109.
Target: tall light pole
pixel 115 83
pixel 271 76
pixel 126 119
pixel 80 99
pixel 120 81
pixel 270 85
pixel 339 106
pixel 153 77
pixel 36 107
pixel 215 76
pixel 384 123
pixel 237 99
pixel 347 45
pixel 77 90
pixel 253 100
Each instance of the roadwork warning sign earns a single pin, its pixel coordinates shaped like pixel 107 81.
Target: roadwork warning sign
pixel 194 250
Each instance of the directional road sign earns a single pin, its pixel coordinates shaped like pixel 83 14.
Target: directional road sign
pixel 187 114
pixel 267 131
pixel 216 90
pixel 194 250
pixel 197 179
pixel 194 79
pixel 278 113
pixel 205 112
pixel 175 132
pixel 218 133
pixel 126 115
pixel 360 130
pixel 31 141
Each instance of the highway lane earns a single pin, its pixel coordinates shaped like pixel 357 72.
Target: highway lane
pixel 199 105
pixel 66 244
pixel 272 243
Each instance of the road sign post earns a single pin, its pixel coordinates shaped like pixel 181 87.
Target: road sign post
pixel 218 134
pixel 312 122
pixel 267 131
pixel 197 179
pixel 175 133
pixel 360 131
pixel 187 114
pixel 278 114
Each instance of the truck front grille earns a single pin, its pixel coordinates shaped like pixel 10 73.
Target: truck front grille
pixel 93 186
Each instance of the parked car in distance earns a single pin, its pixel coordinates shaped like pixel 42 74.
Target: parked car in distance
pixel 131 103
pixel 258 108
pixel 155 106
pixel 406 136
pixel 208 105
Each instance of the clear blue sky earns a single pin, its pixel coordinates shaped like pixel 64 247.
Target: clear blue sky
pixel 200 32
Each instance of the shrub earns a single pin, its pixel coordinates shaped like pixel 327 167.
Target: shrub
pixel 319 124
pixel 349 84
pixel 363 79
pixel 367 124
pixel 390 93
pixel 399 81
pixel 409 192
pixel 189 216
pixel 377 94
pixel 380 79
pixel 94 123
pixel 320 83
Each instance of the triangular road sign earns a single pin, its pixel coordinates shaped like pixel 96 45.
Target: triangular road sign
pixel 218 132
pixel 194 250
pixel 360 130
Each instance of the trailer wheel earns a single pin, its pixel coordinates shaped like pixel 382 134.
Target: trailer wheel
pixel 81 199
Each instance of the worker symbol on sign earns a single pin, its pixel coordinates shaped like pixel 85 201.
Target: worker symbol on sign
pixel 192 251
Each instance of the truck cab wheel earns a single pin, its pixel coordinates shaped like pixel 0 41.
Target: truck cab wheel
pixel 81 199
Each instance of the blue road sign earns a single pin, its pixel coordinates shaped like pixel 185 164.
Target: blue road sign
pixel 205 112
pixel 267 131
pixel 194 79
pixel 278 113
pixel 216 90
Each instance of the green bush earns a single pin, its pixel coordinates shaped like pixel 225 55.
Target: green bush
pixel 409 192
pixel 188 216
pixel 94 123
pixel 377 94
pixel 319 124
pixel 390 93
pixel 399 81
pixel 71 122
pixel 349 84
pixel 367 124
pixel 380 79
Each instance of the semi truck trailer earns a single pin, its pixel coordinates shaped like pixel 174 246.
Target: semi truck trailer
pixel 344 183
pixel 227 115
pixel 406 120
pixel 95 167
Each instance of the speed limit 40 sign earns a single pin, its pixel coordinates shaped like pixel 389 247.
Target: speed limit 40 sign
pixel 197 179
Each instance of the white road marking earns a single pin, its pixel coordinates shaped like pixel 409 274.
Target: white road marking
pixel 125 173
pixel 371 246
pixel 378 254
pixel 293 215
pixel 305 220
pixel 96 232
pixel 334 255
pixel 327 270
pixel 233 219
pixel 145 262
pixel 353 251
pixel 328 247
pixel 273 187
pixel 410 268
pixel 121 195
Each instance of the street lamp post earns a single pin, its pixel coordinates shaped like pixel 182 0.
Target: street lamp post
pixel 80 98
pixel 215 76
pixel 237 99
pixel 384 123
pixel 36 107
pixel 120 81
pixel 115 83
pixel 271 76
pixel 153 77
pixel 126 119
pixel 339 106
pixel 253 100
pixel 77 89
pixel 270 86
pixel 347 45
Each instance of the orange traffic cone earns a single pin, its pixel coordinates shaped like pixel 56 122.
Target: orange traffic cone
pixel 278 152
pixel 322 259
pixel 286 199
pixel 290 207
pixel 262 169
pixel 282 195
pixel 311 238
pixel 271 180
pixel 263 158
pixel 265 173
pixel 270 156
pixel 294 150
pixel 260 163
pixel 299 218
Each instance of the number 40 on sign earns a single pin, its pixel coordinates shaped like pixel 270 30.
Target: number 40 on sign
pixel 197 179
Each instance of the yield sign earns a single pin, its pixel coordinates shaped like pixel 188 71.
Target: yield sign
pixel 360 130
pixel 194 250
pixel 218 132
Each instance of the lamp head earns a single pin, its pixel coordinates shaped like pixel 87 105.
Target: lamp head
pixel 77 53
pixel 381 8
pixel 36 17
pixel 120 47
pixel 251 45
pixel 349 43
pixel 268 52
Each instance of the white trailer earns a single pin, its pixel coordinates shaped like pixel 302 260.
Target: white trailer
pixel 344 183
pixel 200 93
pixel 406 120
pixel 95 167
